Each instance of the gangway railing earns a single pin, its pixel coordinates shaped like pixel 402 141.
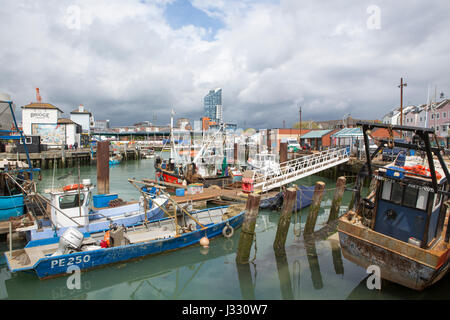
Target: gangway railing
pixel 299 168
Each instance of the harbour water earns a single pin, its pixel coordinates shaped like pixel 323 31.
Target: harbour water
pixel 309 270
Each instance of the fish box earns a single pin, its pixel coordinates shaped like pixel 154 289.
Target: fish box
pixel 195 188
pixel 102 200
pixel 395 173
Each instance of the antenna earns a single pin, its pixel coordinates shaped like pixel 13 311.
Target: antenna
pixel 38 96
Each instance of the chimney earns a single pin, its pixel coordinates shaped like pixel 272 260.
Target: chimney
pixel 38 96
pixel 81 108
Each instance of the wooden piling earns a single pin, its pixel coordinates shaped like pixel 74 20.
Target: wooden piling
pixel 283 152
pixel 248 228
pixel 314 208
pixel 337 199
pixel 103 167
pixel 285 219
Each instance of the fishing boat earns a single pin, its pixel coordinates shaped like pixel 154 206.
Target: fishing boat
pixel 146 270
pixel 58 256
pixel 402 224
pixel 16 177
pixel 71 206
pixel 208 166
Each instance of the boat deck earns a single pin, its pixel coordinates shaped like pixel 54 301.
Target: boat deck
pixel 161 229
pixel 27 257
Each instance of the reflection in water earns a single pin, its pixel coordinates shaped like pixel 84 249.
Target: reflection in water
pixel 284 275
pixel 296 272
pixel 245 281
pixel 176 292
pixel 337 257
pixel 313 261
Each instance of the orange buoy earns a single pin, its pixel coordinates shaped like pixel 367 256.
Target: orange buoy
pixel 73 187
pixel 204 242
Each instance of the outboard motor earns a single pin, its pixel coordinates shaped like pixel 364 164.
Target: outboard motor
pixel 71 239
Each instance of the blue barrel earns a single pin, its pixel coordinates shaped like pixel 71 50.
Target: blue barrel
pixel 179 192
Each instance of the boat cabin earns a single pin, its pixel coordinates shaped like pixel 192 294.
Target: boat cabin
pixel 70 207
pixel 407 208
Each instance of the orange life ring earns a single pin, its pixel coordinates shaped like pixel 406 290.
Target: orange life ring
pixel 73 187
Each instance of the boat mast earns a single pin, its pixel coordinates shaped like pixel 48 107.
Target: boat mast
pixel 172 145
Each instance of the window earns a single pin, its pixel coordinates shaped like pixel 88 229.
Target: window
pixel 437 128
pixel 397 192
pixel 387 186
pixel 432 116
pixel 422 199
pixel 437 115
pixel 410 197
pixel 70 201
pixel 444 114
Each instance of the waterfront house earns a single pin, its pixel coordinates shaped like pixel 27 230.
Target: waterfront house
pixel 83 117
pixel 36 115
pixel 439 115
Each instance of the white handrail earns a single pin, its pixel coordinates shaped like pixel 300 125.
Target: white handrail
pixel 297 168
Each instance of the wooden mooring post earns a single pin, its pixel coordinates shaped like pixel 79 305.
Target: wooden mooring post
pixel 248 228
pixel 103 167
pixel 337 199
pixel 285 219
pixel 319 189
pixel 283 152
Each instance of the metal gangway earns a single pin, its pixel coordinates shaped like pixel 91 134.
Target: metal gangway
pixel 299 168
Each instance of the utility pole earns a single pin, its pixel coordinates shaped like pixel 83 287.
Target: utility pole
pixel 300 123
pixel 401 99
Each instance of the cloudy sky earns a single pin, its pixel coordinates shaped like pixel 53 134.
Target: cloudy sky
pixel 128 60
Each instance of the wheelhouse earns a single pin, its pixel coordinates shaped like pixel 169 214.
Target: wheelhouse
pixel 410 194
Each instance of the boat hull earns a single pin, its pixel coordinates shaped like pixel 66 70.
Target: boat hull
pixel 11 206
pixel 416 273
pixel 304 199
pixel 170 177
pixel 62 265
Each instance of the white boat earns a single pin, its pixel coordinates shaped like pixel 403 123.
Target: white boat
pixel 71 207
pixel 265 162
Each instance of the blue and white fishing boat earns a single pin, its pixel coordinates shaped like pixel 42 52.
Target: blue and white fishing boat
pixel 77 251
pixel 71 207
